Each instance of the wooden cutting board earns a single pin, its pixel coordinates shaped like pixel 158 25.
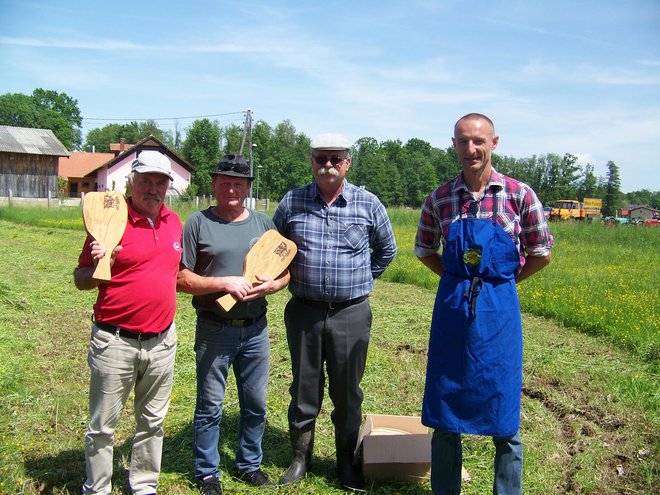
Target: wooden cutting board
pixel 269 257
pixel 105 215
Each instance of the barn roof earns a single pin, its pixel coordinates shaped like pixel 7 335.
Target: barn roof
pixel 30 141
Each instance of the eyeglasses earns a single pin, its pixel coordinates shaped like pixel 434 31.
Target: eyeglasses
pixel 230 163
pixel 322 159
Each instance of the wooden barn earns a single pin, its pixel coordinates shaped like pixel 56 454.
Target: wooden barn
pixel 28 162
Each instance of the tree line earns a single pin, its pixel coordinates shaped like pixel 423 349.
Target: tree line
pixel 401 174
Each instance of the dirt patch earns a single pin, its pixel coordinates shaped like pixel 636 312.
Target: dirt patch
pixel 590 434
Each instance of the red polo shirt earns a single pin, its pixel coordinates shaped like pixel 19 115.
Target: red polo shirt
pixel 141 296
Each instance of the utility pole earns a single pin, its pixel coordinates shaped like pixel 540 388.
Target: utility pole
pixel 247 134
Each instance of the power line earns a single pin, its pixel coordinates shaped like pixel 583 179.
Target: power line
pixel 98 119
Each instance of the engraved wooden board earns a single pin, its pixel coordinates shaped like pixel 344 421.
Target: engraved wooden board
pixel 105 215
pixel 269 257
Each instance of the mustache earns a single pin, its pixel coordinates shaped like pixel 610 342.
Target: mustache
pixel 331 171
pixel 151 196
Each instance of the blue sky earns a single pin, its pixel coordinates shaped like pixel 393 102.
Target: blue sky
pixel 579 77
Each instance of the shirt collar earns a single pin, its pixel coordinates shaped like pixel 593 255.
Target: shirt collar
pixel 496 181
pixel 345 195
pixel 135 217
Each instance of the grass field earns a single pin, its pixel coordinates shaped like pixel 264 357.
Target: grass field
pixel 590 417
pixel 603 281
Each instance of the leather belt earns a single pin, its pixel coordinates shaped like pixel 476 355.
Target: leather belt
pixel 236 323
pixel 109 327
pixel 332 304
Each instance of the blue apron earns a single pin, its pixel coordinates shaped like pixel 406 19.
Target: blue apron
pixel 474 371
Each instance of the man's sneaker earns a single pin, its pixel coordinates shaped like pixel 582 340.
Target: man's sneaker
pixel 256 478
pixel 209 485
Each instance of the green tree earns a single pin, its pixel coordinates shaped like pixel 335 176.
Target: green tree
pixel 17 110
pixel 374 167
pixel 417 170
pixel 288 165
pixel 233 137
pixel 560 176
pixel 100 138
pixel 530 170
pixel 588 187
pixel 386 179
pixel 44 109
pixel 201 148
pixel 263 148
pixel 150 128
pixel 447 165
pixel 59 112
pixel 644 197
pixel 364 153
pixel 613 197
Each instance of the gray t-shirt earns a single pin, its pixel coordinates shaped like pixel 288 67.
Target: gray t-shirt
pixel 213 247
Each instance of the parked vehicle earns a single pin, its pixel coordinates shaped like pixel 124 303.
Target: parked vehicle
pixel 572 209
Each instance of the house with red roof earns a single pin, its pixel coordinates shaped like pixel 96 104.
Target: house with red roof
pixel 86 172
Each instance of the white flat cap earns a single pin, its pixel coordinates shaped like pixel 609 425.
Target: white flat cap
pixel 154 162
pixel 330 141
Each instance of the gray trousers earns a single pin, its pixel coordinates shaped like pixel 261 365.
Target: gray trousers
pixel 118 365
pixel 338 338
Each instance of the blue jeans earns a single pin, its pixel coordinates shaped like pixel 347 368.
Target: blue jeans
pixel 447 460
pixel 247 349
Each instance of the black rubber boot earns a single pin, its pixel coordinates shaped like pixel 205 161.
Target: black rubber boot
pixel 350 472
pixel 302 443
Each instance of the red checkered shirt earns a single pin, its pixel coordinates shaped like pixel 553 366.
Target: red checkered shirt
pixel 519 213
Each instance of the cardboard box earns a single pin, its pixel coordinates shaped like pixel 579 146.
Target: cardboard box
pixel 395 448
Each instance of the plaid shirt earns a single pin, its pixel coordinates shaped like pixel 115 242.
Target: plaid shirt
pixel 342 248
pixel 519 213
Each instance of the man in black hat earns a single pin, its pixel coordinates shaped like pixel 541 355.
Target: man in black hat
pixel 215 243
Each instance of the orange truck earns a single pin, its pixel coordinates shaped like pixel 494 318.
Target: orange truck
pixel 572 209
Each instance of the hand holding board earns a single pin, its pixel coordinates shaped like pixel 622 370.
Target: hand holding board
pixel 269 257
pixel 105 215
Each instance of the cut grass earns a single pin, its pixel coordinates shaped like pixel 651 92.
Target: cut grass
pixel 590 411
pixel 602 280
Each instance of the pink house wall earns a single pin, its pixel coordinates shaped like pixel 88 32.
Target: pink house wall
pixel 115 177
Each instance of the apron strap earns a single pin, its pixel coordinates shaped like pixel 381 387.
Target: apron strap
pixel 495 206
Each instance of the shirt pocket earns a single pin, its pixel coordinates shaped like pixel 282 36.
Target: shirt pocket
pixel 356 236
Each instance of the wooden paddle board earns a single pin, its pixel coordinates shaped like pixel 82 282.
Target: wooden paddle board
pixel 105 215
pixel 269 257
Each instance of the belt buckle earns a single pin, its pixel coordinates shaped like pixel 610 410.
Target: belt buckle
pixel 331 305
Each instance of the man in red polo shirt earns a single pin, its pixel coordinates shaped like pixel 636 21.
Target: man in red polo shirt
pixel 133 340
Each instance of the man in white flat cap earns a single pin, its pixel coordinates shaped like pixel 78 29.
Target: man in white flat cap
pixel 345 241
pixel 133 342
